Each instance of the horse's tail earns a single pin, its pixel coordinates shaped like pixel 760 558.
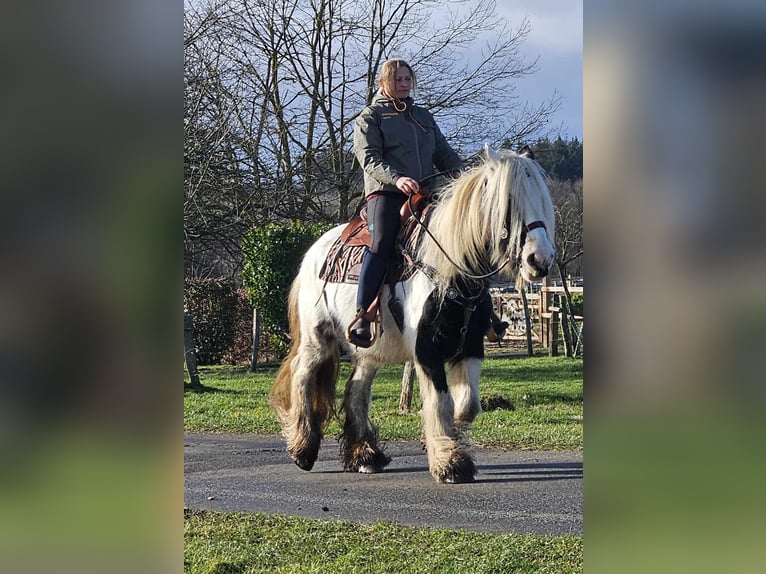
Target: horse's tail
pixel 322 377
pixel 279 398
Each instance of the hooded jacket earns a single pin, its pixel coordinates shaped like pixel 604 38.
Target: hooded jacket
pixel 390 144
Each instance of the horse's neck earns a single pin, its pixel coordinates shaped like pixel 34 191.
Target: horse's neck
pixel 438 228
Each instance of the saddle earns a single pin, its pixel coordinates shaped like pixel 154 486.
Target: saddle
pixel 343 263
pixel 344 259
pixel 357 232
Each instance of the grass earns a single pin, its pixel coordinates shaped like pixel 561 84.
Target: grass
pixel 227 543
pixel 530 403
pixel 540 400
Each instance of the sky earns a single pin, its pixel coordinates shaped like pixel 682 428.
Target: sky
pixel 556 38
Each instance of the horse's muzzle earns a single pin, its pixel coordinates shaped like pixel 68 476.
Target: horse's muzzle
pixel 540 270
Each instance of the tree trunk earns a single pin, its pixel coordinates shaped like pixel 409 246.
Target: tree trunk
pixel 256 340
pixel 190 356
pixel 568 320
pixel 527 322
pixel 408 377
pixel 565 329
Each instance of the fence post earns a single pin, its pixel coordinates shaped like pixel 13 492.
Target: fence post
pixel 405 400
pixel 553 334
pixel 190 355
pixel 256 340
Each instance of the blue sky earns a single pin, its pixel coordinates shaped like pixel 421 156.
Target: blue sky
pixel 556 37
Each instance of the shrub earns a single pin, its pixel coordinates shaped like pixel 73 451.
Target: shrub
pixel 577 303
pixel 272 256
pixel 241 348
pixel 213 304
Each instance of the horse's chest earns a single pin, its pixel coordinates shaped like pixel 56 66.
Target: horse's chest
pixel 453 328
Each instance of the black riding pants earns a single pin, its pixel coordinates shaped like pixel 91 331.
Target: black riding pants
pixel 383 222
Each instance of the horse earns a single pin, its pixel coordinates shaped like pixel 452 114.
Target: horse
pixel 493 219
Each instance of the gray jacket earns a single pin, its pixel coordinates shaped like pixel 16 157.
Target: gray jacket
pixel 389 144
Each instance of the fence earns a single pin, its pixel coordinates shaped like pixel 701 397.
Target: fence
pixel 545 303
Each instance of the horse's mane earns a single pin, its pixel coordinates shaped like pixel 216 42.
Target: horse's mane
pixel 469 218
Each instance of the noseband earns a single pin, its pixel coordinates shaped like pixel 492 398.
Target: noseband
pixel 526 228
pixel 529 227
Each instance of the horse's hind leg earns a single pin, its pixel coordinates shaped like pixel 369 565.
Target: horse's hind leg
pixel 315 372
pixel 359 449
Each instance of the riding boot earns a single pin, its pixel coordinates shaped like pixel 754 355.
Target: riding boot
pixel 370 279
pixel 360 333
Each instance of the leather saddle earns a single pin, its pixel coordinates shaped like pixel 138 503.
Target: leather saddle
pixel 357 232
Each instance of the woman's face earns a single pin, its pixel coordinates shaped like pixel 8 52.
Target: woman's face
pixel 402 83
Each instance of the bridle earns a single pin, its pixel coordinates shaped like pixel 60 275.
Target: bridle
pixel 525 229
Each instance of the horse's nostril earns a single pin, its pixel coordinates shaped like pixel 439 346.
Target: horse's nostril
pixel 531 260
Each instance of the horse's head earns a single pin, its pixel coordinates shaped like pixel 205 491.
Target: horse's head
pixel 530 219
pixel 494 214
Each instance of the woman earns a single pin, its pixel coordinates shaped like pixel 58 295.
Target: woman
pixel 397 144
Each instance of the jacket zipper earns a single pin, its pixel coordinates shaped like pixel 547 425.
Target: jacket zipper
pixel 417 151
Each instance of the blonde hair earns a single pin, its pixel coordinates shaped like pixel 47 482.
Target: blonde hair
pixel 387 76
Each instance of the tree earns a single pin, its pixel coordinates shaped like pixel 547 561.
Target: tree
pixel 562 160
pixel 568 206
pixel 272 90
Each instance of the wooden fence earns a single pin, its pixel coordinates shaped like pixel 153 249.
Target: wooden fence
pixel 545 310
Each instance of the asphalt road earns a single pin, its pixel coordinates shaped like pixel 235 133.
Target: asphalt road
pixel 521 492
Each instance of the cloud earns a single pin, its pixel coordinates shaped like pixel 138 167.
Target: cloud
pixel 556 25
pixel 556 38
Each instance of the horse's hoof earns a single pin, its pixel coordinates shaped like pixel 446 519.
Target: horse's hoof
pixel 304 464
pixel 461 470
pixel 305 458
pixel 371 461
pixel 459 479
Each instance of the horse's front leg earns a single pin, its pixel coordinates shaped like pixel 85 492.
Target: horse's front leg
pixel 448 460
pixel 463 378
pixel 465 371
pixel 359 448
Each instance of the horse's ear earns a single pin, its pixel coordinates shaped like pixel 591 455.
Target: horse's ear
pixel 491 154
pixel 526 151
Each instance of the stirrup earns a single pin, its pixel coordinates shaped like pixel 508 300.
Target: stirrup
pixel 355 338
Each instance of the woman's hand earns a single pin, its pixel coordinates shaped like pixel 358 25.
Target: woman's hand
pixel 407 185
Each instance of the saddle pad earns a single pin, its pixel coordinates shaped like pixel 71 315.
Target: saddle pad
pixel 343 263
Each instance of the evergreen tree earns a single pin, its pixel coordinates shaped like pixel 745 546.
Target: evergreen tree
pixel 561 159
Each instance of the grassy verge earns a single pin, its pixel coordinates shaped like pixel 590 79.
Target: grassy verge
pixel 218 543
pixel 539 404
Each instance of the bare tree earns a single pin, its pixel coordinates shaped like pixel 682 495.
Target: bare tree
pixel 273 88
pixel 568 205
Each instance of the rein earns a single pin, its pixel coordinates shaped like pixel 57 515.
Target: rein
pixel 526 228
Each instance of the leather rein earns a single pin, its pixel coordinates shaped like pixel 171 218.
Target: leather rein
pixel 526 228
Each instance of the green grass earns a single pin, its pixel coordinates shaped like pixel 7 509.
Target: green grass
pixel 546 395
pixel 223 543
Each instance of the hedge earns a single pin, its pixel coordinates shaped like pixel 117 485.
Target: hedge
pixel 216 307
pixel 272 255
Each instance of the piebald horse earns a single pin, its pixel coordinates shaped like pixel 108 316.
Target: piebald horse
pixel 495 219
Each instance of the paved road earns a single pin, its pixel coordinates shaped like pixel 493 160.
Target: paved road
pixel 523 492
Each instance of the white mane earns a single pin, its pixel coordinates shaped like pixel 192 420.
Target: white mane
pixel 469 218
